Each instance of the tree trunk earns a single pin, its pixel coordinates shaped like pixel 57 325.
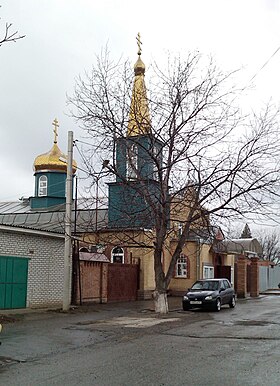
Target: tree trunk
pixel 161 303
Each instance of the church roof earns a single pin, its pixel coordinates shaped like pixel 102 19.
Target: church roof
pixel 139 116
pixel 20 214
pixel 54 159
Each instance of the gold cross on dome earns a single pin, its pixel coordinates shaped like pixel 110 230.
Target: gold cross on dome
pixel 139 44
pixel 56 125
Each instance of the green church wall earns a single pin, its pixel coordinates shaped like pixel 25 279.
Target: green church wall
pixel 56 183
pixel 145 163
pixel 127 207
pixel 55 190
pixel 45 202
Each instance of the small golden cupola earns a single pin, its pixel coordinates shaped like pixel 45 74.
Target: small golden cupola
pixel 53 160
pixel 139 116
pixel 50 172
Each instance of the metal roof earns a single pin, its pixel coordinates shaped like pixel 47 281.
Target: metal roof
pixel 241 246
pixel 20 214
pixel 25 230
pixel 98 257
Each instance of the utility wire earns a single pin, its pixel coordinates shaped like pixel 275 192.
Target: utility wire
pixel 90 171
pixel 264 65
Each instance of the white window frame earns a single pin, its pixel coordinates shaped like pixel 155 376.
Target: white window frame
pixel 155 168
pixel 43 186
pixel 118 254
pixel 132 162
pixel 181 266
pixel 180 226
pixel 208 272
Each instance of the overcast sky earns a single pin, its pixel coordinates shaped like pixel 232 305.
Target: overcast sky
pixel 63 36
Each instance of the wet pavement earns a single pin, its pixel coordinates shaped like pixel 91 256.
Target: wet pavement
pixel 127 343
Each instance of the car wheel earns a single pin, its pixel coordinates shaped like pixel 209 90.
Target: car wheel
pixel 186 307
pixel 232 302
pixel 218 305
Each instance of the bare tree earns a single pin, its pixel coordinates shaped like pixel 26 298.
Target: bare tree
pixel 270 242
pixel 207 158
pixel 9 35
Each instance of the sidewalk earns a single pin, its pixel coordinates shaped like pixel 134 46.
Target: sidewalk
pixel 123 308
pixel 275 291
pixel 139 306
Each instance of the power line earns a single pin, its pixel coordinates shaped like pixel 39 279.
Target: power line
pixel 265 64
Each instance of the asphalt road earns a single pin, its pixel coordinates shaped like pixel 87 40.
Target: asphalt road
pixel 127 344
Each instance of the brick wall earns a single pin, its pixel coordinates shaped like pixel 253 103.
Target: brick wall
pixel 241 277
pixel 94 278
pixel 254 290
pixel 45 268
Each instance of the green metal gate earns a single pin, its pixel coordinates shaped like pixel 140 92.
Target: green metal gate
pixel 13 282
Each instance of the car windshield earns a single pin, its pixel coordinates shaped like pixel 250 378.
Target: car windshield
pixel 206 285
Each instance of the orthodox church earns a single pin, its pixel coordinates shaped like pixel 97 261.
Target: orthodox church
pixel 112 241
pixel 129 235
pixel 128 238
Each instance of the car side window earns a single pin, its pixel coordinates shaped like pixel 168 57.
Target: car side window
pixel 222 285
pixel 226 284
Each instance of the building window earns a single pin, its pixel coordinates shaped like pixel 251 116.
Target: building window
pixel 117 255
pixel 132 164
pixel 179 226
pixel 181 266
pixel 42 186
pixel 83 249
pixel 155 166
pixel 208 272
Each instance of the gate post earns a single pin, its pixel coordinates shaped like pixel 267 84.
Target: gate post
pixel 254 290
pixel 104 283
pixel 241 277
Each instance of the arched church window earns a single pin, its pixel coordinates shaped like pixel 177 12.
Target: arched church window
pixel 83 249
pixel 117 255
pixel 132 162
pixel 43 186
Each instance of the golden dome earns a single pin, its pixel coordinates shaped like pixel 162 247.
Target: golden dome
pixel 53 160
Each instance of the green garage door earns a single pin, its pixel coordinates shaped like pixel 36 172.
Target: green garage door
pixel 13 282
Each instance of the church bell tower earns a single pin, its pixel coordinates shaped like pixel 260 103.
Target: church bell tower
pixel 138 159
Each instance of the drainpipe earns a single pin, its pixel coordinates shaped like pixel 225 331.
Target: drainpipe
pixel 198 259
